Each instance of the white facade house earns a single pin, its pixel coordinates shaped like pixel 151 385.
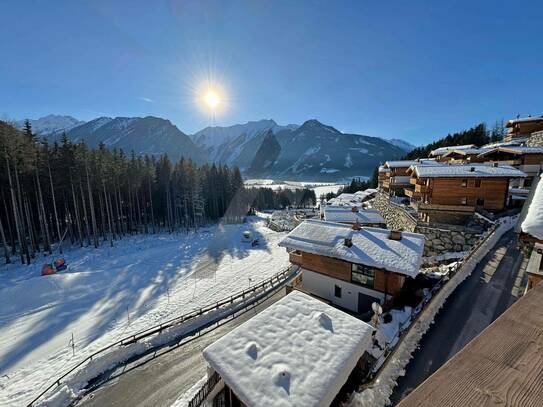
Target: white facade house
pixel 298 352
pixel 352 267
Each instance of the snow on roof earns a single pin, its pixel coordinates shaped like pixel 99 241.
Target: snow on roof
pixel 533 222
pixel 334 213
pixel 370 246
pixel 409 163
pixel 299 351
pixel 514 150
pixel 480 170
pixel 465 151
pixel 443 150
pixel 512 122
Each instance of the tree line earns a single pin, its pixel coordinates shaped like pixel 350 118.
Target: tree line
pixel 64 192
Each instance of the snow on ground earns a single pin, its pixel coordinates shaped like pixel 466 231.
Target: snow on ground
pixel 320 188
pixel 109 293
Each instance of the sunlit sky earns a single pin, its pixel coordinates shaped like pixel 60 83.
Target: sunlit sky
pixel 412 69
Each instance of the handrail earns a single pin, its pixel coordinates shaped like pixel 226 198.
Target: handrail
pixel 199 397
pixel 160 327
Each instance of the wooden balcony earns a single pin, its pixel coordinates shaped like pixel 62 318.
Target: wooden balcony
pixel 411 193
pixel 422 189
pixel 295 258
pixel 440 207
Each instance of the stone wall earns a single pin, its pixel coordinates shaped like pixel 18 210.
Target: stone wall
pixel 440 238
pixel 396 216
pixel 535 140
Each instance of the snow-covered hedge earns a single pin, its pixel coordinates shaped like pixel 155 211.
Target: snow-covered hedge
pixel 378 394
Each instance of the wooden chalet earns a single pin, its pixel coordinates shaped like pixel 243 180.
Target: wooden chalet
pixel 462 156
pixel 523 127
pixel 297 352
pixel 451 193
pixel 353 267
pixel 527 159
pixel 439 153
pixel 393 176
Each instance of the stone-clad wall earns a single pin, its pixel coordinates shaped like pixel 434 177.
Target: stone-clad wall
pixel 439 238
pixel 396 217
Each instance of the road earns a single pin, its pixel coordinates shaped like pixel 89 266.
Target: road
pixel 494 285
pixel 161 380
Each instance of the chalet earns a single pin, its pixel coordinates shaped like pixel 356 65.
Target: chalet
pixel 297 352
pixel 353 216
pixel 394 175
pixel 534 270
pixel 527 159
pixel 530 223
pixel 355 199
pixel 351 267
pixel 502 366
pixel 463 155
pixel 438 153
pixel 523 127
pixel 451 193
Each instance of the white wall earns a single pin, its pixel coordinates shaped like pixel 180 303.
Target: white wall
pixel 323 286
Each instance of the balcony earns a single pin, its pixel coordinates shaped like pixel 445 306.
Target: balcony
pixel 411 193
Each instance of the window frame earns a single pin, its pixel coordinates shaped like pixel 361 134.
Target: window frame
pixel 478 183
pixel 365 272
pixel 337 291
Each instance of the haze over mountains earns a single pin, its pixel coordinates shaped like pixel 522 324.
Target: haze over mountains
pixel 311 151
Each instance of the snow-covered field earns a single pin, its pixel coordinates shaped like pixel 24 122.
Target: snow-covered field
pixel 109 293
pixel 320 188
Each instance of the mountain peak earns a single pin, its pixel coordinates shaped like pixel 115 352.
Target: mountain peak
pixel 51 123
pixel 313 124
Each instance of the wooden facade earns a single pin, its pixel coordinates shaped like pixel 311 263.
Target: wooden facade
pixel 523 128
pixel 384 281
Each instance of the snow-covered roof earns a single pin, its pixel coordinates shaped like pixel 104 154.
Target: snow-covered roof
pixel 514 150
pixel 443 150
pixel 409 163
pixel 479 170
pixel 297 352
pixel 344 214
pixel 465 151
pixel 370 246
pixel 512 122
pixel 533 222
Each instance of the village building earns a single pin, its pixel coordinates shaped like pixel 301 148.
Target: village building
pixel 438 153
pixel 502 366
pixel 355 199
pixel 452 193
pixel 297 352
pixel 527 159
pixel 534 269
pixel 394 177
pixel 530 223
pixel 522 128
pixel 353 267
pixel 353 216
pixel 462 156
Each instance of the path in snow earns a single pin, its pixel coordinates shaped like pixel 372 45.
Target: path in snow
pixel 109 293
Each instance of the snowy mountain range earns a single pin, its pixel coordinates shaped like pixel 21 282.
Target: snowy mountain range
pixel 51 124
pixel 311 151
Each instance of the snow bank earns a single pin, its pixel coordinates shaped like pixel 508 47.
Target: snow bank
pixel 380 390
pixel 533 223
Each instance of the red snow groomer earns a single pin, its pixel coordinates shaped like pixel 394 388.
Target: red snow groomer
pixel 58 265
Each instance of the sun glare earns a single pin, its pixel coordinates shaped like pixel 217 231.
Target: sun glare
pixel 212 99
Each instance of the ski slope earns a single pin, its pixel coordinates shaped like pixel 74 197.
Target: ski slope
pixel 108 293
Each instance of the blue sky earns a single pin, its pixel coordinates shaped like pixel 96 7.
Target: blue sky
pixel 414 70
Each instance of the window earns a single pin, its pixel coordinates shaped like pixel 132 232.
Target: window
pixel 337 291
pixel 464 183
pixel 477 183
pixel 480 202
pixel 464 201
pixel 362 275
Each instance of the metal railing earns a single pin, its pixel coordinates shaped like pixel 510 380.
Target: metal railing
pixel 282 275
pixel 202 394
pixel 417 311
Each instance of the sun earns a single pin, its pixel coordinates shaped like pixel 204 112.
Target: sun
pixel 212 99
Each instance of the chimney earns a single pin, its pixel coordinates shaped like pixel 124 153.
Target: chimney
pixel 354 209
pixel 395 235
pixel 356 225
pixel 348 241
pixel 472 169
